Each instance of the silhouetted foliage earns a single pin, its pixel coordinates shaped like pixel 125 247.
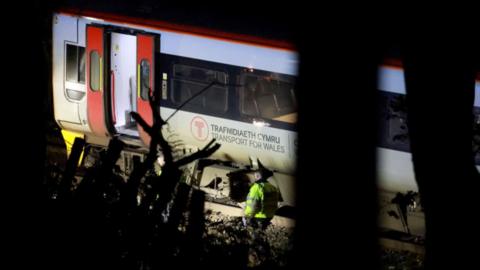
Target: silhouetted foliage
pixel 134 224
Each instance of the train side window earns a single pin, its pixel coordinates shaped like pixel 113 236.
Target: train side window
pixel 268 97
pixel 144 79
pixel 188 81
pixel 95 70
pixel 75 64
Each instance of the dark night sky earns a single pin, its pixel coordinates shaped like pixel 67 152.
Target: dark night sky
pixel 268 20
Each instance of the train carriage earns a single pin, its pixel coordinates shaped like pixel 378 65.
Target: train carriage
pixel 105 67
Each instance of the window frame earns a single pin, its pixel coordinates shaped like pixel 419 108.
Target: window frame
pixel 202 84
pixel 78 63
pixel 260 75
pixel 99 73
pixel 145 91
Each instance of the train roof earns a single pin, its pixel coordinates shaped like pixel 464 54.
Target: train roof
pixel 250 28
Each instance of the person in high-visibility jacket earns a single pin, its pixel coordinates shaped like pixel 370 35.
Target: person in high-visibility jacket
pixel 262 199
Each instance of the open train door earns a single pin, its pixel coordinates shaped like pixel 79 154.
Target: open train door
pixel 146 45
pixel 95 80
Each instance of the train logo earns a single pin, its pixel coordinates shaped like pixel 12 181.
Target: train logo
pixel 199 128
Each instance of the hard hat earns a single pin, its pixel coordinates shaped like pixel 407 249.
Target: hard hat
pixel 266 173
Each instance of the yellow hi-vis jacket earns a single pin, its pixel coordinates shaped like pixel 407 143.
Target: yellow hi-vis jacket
pixel 262 200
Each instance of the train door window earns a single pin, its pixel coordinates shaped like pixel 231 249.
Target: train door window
pixel 144 79
pixel 268 97
pixel 95 68
pixel 188 81
pixel 75 64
